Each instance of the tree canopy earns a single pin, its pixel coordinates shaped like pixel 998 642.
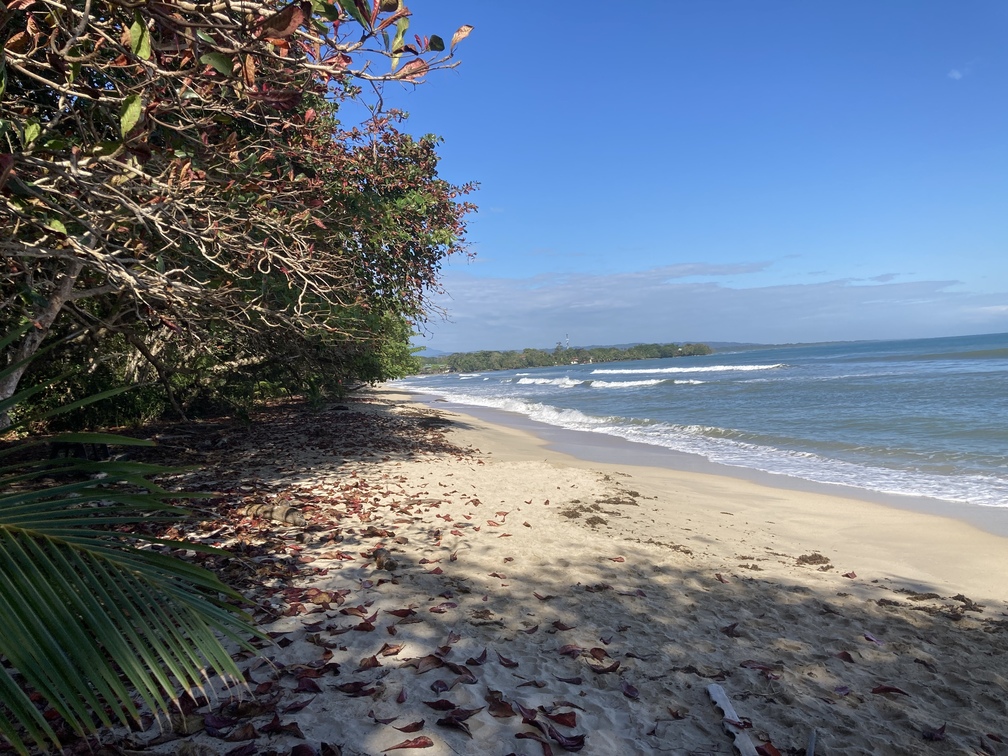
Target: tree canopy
pixel 182 203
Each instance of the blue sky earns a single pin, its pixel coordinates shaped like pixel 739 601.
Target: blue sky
pixel 720 170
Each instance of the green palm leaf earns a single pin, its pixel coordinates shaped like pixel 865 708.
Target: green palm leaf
pixel 92 619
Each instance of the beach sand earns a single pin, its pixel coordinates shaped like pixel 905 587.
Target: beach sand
pixel 596 601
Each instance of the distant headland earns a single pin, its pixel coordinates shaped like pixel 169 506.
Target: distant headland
pixel 486 360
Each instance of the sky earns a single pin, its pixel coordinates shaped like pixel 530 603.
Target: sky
pixel 721 170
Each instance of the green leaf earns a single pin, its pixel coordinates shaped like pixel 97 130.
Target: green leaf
pixel 397 41
pixel 206 37
pixel 56 225
pixel 220 62
pixel 32 130
pixel 436 43
pixel 140 38
pixel 129 114
pixel 351 7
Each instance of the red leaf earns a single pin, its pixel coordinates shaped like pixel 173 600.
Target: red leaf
pixel 422 742
pixel 412 727
pixel 541 597
pixel 562 627
pixel 850 574
pixel 440 705
pixel 720 577
pixel 617 559
pixel 767 749
pixel 443 607
pixel 565 718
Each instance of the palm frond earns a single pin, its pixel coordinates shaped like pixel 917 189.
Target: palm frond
pixel 94 622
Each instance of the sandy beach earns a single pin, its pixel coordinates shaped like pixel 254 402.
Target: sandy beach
pixel 457 587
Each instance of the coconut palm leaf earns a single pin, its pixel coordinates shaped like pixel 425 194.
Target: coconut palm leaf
pixel 94 622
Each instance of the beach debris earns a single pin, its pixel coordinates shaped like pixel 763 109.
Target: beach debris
pixel 850 574
pixel 730 721
pixel 937 733
pixel 380 720
pixel 844 656
pixel 422 742
pixel 767 749
pixel 720 578
pixel 731 630
pixel 871 638
pixel 629 690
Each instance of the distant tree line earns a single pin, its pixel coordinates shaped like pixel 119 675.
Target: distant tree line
pixel 471 362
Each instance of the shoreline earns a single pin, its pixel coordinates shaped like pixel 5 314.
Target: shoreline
pixel 600 448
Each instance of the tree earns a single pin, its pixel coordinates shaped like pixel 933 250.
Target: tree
pixel 176 176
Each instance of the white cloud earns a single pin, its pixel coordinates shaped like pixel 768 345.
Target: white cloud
pixel 955 73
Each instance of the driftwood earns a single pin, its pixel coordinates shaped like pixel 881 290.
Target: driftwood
pixel 742 742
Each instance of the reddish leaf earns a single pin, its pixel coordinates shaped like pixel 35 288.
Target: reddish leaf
pixel 422 742
pixel 565 718
pixel 844 656
pixel 541 597
pixel 600 670
pixel 308 685
pixel 873 639
pixel 412 727
pixel 569 742
pixel 297 706
pixel 510 663
pixel 731 630
pixel 767 749
pixel 617 559
pixel 443 607
pixel 478 660
pixel 629 690
pixel 935 734
pixel 403 695
pixel 562 627
pixel 720 577
pixel 571 649
pixel 850 575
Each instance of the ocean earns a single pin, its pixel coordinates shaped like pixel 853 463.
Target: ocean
pixel 922 417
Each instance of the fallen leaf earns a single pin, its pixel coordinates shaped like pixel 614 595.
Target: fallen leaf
pixel 937 733
pixel 510 663
pixel 888 689
pixel 543 598
pixel 844 656
pixel 731 630
pixel 443 607
pixel 562 627
pixel 873 639
pixel 571 680
pixel 477 660
pixel 767 749
pixel 422 742
pixel 411 727
pixel 720 577
pixel 850 575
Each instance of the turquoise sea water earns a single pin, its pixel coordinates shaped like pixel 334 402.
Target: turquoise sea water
pixel 923 417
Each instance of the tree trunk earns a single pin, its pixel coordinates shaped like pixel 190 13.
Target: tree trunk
pixel 45 316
